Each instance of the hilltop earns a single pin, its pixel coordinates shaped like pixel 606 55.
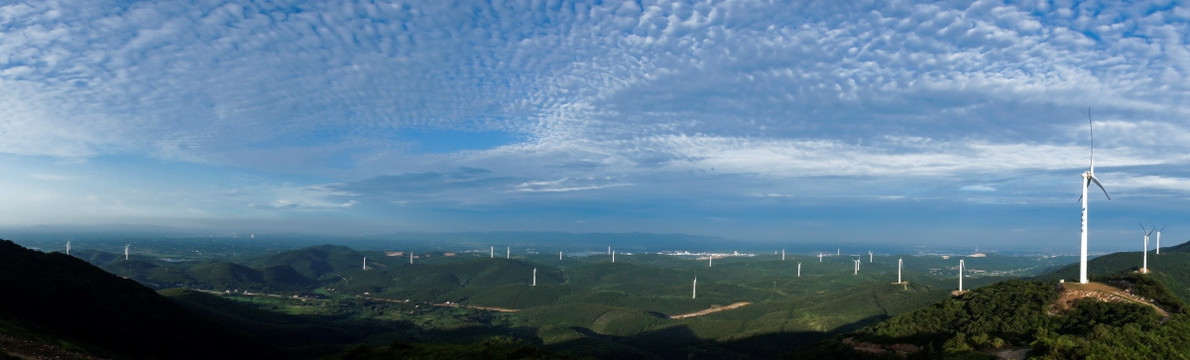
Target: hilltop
pixel 1124 315
pixel 71 307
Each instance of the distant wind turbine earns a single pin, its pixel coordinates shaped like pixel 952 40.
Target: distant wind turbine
pixel 799 269
pixel 838 252
pixel 900 265
pixel 492 252
pixel 1158 239
pixel 559 255
pixel 68 247
pixel 694 290
pixel 782 254
pixel 410 256
pixel 961 266
pixel 534 277
pixel 126 251
pixel 609 250
pixel 819 257
pixel 613 256
pixel 1088 178
pixel 857 261
pixel 365 263
pixel 869 256
pixel 507 252
pixel 1144 268
pixel 710 260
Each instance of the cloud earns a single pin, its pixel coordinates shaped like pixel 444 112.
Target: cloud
pixel 978 188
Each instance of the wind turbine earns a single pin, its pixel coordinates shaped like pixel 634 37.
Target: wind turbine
pixel 710 260
pixel 782 254
pixel 961 275
pixel 365 263
pixel 799 269
pixel 869 256
pixel 613 256
pixel 507 252
pixel 492 252
pixel 1158 240
pixel 68 246
pixel 534 277
pixel 1088 178
pixel 609 250
pixel 1144 268
pixel 900 266
pixel 838 252
pixel 819 257
pixel 411 257
pixel 126 251
pixel 694 290
pixel 857 261
pixel 559 255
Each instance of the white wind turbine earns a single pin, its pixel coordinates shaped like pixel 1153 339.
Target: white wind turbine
pixel 365 263
pixel 710 260
pixel 507 252
pixel 799 269
pixel 613 256
pixel 961 275
pixel 819 257
pixel 559 255
pixel 1158 240
pixel 126 251
pixel 782 254
pixel 1144 267
pixel 857 261
pixel 411 257
pixel 869 256
pixel 534 277
pixel 492 252
pixel 1088 178
pixel 68 247
pixel 694 290
pixel 900 265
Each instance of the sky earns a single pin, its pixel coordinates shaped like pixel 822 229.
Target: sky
pixel 790 122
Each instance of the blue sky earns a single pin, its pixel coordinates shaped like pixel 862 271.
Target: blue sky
pixel 898 122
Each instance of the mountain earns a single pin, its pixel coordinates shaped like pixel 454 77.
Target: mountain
pixel 1120 315
pixel 62 301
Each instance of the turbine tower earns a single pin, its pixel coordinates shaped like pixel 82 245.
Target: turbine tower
pixel 782 254
pixel 819 257
pixel 869 256
pixel 1088 178
pixel 365 263
pixel 799 269
pixel 1158 240
pixel 613 256
pixel 694 290
pixel 507 252
pixel 126 251
pixel 900 266
pixel 961 275
pixel 1144 267
pixel 559 255
pixel 857 261
pixel 534 277
pixel 68 245
pixel 492 252
pixel 411 257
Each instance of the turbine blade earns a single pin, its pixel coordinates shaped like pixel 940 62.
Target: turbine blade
pixel 1162 228
pixel 1092 178
pixel 1142 227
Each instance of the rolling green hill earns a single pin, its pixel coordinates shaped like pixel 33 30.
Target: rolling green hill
pixel 65 302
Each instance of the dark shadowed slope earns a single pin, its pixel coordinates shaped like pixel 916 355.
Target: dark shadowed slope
pixel 55 298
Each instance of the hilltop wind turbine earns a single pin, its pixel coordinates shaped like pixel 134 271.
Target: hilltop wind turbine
pixel 126 251
pixel 507 252
pixel 1144 267
pixel 534 277
pixel 838 252
pixel 694 290
pixel 799 269
pixel 492 252
pixel 1088 178
pixel 559 255
pixel 609 250
pixel 782 254
pixel 869 256
pixel 1158 241
pixel 710 260
pixel 857 261
pixel 68 246
pixel 900 266
pixel 613 256
pixel 819 257
pixel 961 275
pixel 365 263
